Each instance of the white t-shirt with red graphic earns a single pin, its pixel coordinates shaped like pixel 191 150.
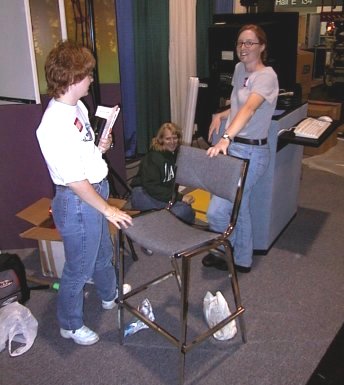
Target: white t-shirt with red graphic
pixel 66 140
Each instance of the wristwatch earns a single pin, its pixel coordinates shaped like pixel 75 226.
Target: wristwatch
pixel 226 136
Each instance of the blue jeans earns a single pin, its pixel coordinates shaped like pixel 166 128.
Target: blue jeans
pixel 220 209
pixel 142 201
pixel 88 252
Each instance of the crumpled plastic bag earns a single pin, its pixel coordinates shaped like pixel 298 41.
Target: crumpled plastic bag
pixel 136 325
pixel 216 309
pixel 18 326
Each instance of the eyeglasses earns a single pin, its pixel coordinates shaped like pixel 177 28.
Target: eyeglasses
pixel 247 44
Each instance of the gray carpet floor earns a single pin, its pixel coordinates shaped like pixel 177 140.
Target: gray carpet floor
pixel 331 161
pixel 293 297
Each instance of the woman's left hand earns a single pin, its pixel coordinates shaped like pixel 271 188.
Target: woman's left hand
pixel 105 144
pixel 220 147
pixel 118 217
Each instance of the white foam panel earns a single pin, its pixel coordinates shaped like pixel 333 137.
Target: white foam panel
pixel 190 110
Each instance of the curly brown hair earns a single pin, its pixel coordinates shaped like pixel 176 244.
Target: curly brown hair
pixel 68 63
pixel 157 141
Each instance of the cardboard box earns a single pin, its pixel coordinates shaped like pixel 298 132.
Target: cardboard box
pixel 304 71
pixel 321 107
pixel 318 108
pixel 50 245
pixel 330 142
pixel 301 37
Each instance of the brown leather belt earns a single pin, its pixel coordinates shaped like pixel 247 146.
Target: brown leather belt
pixel 252 142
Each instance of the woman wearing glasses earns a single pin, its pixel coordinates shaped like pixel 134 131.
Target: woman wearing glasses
pixel 252 103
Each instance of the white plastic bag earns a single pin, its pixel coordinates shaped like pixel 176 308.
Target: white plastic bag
pixel 135 324
pixel 17 325
pixel 215 309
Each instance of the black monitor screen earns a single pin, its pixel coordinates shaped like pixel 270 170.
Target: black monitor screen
pixel 281 29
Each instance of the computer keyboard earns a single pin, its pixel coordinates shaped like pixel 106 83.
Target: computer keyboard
pixel 311 128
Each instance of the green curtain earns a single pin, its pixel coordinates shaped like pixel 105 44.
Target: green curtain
pixel 205 10
pixel 151 41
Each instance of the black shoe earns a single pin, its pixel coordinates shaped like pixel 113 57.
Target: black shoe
pixel 211 260
pixel 242 269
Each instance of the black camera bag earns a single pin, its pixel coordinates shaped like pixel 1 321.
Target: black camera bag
pixel 13 284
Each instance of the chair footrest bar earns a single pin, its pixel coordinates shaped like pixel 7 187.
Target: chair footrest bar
pixel 186 347
pixel 210 332
pixel 151 324
pixel 146 285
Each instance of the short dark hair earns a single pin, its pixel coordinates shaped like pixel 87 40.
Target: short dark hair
pixel 68 63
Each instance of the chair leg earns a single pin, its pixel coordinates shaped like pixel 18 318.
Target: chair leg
pixel 236 290
pixel 132 249
pixel 175 266
pixel 242 326
pixel 120 310
pixel 184 297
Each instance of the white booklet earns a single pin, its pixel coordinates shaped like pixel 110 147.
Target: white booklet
pixel 108 117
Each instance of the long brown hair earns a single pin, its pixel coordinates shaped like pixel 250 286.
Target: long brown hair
pixel 157 141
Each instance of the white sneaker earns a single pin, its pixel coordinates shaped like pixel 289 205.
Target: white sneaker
pixel 108 305
pixel 147 251
pixel 82 336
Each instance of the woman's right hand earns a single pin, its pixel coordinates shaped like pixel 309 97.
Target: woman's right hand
pixel 220 147
pixel 214 126
pixel 118 217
